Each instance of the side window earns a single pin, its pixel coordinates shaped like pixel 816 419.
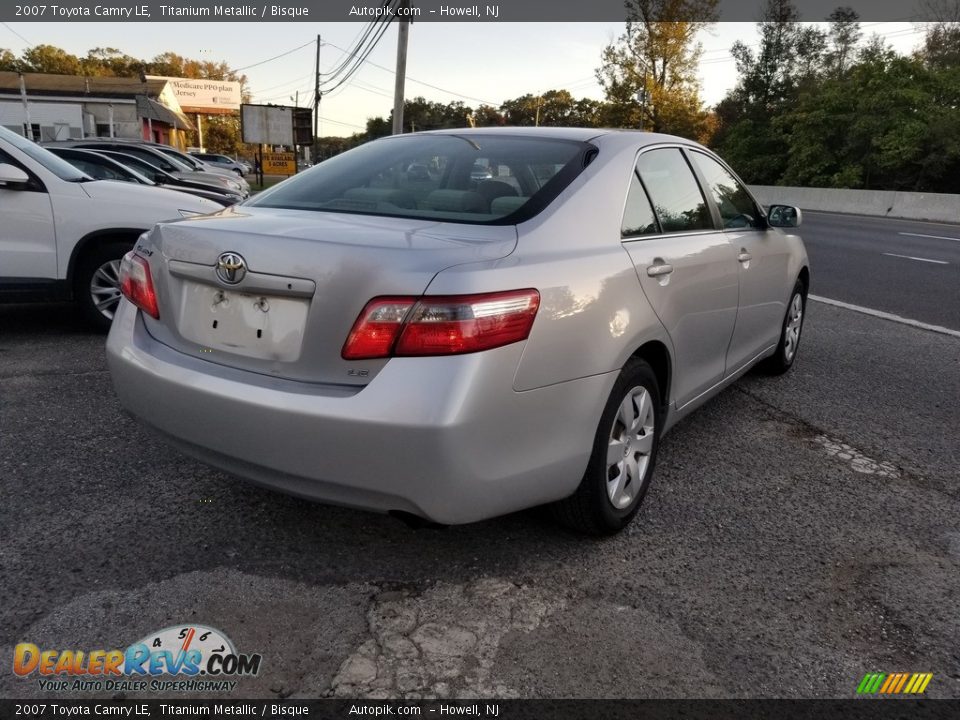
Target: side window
pixel 736 207
pixel 674 190
pixel 638 218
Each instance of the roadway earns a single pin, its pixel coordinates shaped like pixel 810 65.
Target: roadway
pixel 800 531
pixel 904 267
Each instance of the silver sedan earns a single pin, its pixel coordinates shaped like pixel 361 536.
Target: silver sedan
pixel 447 347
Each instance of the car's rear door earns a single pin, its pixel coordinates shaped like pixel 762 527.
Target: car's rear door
pixel 686 266
pixel 762 262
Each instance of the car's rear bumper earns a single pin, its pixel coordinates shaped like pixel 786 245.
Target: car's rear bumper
pixel 444 438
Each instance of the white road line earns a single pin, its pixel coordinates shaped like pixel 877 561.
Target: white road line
pixel 911 257
pixel 886 316
pixel 934 237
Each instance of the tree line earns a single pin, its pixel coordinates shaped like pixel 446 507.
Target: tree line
pixel 811 107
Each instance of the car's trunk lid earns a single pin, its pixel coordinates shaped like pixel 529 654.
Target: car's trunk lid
pixel 305 278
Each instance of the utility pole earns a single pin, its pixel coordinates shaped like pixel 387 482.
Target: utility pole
pixel 403 36
pixel 316 108
pixel 27 127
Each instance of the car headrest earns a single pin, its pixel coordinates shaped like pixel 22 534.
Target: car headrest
pixel 456 201
pixel 507 205
pixel 492 189
pixel 400 198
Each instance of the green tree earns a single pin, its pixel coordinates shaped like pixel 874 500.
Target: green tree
pixel 110 62
pixel 486 116
pixel 8 61
pixel 844 35
pixel 649 74
pixel 49 59
pixel 889 123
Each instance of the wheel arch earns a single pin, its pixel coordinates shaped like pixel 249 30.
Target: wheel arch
pixel 95 239
pixel 804 277
pixel 656 354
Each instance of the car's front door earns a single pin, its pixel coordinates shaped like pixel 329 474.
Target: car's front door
pixel 762 261
pixel 28 243
pixel 686 267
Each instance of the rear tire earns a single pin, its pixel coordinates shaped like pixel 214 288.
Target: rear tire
pixel 96 286
pixel 623 458
pixel 790 332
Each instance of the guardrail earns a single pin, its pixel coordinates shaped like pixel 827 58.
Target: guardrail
pixel 937 207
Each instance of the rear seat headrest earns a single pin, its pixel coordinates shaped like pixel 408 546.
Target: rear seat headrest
pixel 456 201
pixel 400 198
pixel 507 205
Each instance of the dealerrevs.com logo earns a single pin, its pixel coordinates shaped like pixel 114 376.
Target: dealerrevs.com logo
pixel 180 658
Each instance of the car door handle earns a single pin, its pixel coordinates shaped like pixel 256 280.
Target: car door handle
pixel 744 256
pixel 659 269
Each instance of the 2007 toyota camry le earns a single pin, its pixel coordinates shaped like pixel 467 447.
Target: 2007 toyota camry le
pixel 453 325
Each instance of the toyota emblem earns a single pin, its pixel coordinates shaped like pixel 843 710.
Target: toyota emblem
pixel 231 268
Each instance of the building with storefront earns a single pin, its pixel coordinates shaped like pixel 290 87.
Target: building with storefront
pixel 65 107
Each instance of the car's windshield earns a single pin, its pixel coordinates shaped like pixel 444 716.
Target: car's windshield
pixel 189 162
pixel 459 178
pixel 59 167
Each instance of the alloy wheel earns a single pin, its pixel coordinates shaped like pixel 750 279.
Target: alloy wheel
pixel 628 452
pixel 794 324
pixel 105 288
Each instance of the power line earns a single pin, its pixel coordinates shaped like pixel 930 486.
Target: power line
pixel 275 57
pixel 29 44
pixel 421 82
pixel 358 60
pixel 288 83
pixel 340 122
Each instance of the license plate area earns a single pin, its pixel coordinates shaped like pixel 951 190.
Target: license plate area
pixel 252 325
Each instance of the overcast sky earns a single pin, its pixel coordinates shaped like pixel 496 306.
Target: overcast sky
pixel 472 62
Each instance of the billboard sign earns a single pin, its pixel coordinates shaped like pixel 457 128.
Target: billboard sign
pixel 267 124
pixel 204 96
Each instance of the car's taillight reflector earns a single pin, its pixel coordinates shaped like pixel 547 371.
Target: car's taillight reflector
pixel 376 329
pixel 137 285
pixel 441 325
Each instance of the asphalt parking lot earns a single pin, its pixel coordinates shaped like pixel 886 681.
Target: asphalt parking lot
pixel 801 531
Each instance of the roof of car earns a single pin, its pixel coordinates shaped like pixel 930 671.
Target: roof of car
pixel 631 136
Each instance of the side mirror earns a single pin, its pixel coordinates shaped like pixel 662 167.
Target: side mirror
pixel 784 216
pixel 12 175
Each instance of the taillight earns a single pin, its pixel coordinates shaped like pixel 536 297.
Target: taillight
pixel 441 325
pixel 137 285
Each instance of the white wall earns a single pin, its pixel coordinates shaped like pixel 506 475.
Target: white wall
pixel 48 115
pixel 880 203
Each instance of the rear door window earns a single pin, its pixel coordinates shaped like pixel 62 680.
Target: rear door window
pixel 638 217
pixel 737 209
pixel 677 199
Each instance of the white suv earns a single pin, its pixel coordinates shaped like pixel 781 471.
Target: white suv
pixel 63 233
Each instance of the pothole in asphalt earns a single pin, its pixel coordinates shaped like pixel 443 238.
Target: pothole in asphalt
pixel 441 643
pixel 855 459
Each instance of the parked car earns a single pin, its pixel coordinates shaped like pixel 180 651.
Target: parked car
pixel 468 352
pixel 153 156
pixel 200 166
pixel 64 232
pixel 223 196
pixel 224 161
pixel 120 167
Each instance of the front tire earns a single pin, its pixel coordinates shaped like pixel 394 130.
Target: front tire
pixel 786 353
pixel 96 286
pixel 623 458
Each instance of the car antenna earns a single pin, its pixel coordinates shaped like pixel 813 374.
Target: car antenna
pixel 462 137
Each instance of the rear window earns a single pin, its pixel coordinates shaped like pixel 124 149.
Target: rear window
pixel 478 179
